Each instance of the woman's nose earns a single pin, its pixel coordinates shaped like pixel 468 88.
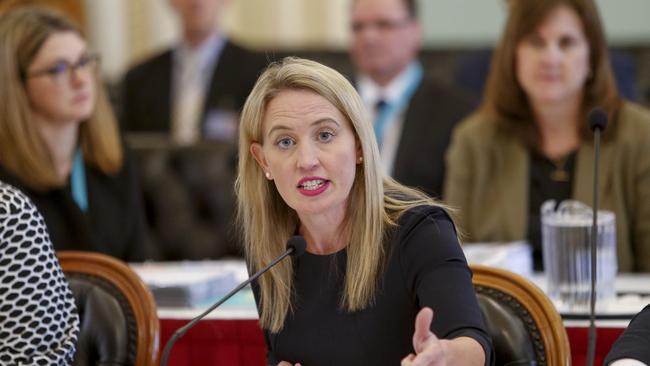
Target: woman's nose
pixel 80 76
pixel 307 156
pixel 551 54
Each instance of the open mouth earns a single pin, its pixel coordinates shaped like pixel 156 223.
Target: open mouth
pixel 312 185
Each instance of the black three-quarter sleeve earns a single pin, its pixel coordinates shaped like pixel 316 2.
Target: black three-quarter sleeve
pixel 435 270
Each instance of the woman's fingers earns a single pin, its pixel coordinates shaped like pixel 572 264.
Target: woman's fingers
pixel 408 360
pixel 285 363
pixel 427 346
pixel 422 329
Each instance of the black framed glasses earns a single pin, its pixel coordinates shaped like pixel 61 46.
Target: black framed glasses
pixel 63 70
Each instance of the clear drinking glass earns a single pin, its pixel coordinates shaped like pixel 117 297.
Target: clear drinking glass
pixel 566 234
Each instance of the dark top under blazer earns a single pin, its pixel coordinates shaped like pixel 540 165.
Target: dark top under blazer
pixel 114 223
pixel 147 88
pixel 634 342
pixel 429 120
pixel 425 266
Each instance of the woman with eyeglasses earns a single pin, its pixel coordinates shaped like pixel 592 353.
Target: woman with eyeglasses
pixel 59 140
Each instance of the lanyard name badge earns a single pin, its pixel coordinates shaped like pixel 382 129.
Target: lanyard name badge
pixel 387 115
pixel 78 181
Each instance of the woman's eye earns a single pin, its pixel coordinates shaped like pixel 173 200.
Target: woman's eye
pixel 535 41
pixel 325 136
pixel 285 142
pixel 58 69
pixel 566 42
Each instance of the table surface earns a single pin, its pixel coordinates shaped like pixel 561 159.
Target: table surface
pixel 230 334
pixel 633 294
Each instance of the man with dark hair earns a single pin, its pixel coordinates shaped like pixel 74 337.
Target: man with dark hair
pixel 195 90
pixel 413 114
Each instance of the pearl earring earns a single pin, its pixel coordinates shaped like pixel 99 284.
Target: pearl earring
pixel 360 160
pixel 268 175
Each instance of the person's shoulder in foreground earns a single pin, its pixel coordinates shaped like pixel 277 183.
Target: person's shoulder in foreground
pixel 39 324
pixel 631 348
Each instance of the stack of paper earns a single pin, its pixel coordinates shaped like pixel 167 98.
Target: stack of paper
pixel 514 256
pixel 190 284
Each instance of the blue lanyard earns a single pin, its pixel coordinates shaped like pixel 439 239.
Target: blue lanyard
pixel 78 181
pixel 388 114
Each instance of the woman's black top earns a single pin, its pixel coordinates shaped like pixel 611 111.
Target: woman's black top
pixel 542 188
pixel 114 223
pixel 425 266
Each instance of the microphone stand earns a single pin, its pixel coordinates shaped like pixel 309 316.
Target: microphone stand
pixel 591 348
pixel 181 331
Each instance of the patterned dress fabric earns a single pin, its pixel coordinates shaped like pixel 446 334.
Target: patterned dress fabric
pixel 39 324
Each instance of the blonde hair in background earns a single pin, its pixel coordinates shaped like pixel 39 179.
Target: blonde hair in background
pixel 22 150
pixel 267 221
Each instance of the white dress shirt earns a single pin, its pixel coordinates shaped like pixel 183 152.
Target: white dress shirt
pixel 192 72
pixel 371 93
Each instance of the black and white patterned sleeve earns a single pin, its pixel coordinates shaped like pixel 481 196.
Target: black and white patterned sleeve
pixel 38 318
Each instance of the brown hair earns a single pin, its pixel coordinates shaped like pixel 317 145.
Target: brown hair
pixel 504 96
pixel 23 31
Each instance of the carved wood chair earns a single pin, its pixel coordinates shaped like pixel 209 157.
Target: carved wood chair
pixel 526 328
pixel 118 319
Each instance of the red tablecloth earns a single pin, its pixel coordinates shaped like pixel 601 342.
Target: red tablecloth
pixel 241 343
pixel 215 342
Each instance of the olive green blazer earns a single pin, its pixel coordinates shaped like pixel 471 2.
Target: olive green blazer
pixel 488 180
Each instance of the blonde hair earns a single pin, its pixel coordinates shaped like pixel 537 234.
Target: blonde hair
pixel 375 202
pixel 22 150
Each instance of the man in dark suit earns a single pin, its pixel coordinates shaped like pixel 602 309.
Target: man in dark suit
pixel 413 114
pixel 195 90
pixel 191 93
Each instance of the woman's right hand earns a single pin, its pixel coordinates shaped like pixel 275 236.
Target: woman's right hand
pixel 285 363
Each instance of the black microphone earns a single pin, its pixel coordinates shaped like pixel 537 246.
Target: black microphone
pixel 296 246
pixel 597 120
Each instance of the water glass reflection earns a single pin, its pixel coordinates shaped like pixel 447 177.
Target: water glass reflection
pixel 566 235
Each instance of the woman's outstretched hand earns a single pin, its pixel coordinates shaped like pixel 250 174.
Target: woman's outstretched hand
pixel 429 350
pixel 285 363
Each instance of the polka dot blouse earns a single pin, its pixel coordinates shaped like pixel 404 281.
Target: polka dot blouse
pixel 38 318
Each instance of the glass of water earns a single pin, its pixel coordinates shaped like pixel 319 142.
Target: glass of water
pixel 566 235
